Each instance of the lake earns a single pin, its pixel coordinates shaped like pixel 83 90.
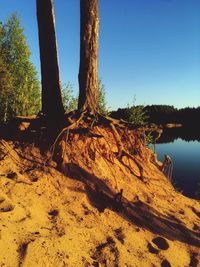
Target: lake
pixel 186 160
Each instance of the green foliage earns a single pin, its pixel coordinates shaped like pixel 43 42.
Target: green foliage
pixel 136 114
pixel 133 114
pixel 21 87
pixel 6 92
pixel 102 99
pixel 69 101
pixel 149 138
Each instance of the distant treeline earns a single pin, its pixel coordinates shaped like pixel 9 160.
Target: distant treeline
pixel 163 114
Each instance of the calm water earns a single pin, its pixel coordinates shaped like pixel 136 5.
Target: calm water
pixel 186 164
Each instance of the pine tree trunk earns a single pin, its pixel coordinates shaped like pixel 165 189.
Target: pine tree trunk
pixel 52 105
pixel 88 70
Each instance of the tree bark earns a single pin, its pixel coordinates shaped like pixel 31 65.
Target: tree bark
pixel 88 70
pixel 52 105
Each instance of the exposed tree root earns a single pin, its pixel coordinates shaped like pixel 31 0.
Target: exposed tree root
pixel 86 123
pixel 122 151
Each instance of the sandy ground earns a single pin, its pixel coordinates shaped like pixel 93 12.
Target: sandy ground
pixel 77 219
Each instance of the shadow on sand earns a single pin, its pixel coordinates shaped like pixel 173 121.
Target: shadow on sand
pixel 137 213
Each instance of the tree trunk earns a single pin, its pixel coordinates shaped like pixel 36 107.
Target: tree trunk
pixel 52 105
pixel 88 70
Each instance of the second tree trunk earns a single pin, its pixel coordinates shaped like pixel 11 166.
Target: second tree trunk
pixel 52 105
pixel 88 71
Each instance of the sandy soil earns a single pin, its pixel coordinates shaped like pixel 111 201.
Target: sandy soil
pixel 75 217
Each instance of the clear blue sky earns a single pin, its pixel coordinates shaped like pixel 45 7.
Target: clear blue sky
pixel 148 48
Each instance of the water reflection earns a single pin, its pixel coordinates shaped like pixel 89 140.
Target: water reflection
pixel 186 134
pixel 183 147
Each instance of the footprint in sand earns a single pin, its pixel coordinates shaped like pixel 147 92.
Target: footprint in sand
pixel 152 249
pixel 165 263
pixel 5 205
pixel 161 243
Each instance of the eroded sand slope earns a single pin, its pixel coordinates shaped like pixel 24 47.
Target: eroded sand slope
pixel 51 219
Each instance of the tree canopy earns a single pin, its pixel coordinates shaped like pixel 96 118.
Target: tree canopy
pixel 20 89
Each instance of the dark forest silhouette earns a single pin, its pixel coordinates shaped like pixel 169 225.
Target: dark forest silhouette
pixel 164 114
